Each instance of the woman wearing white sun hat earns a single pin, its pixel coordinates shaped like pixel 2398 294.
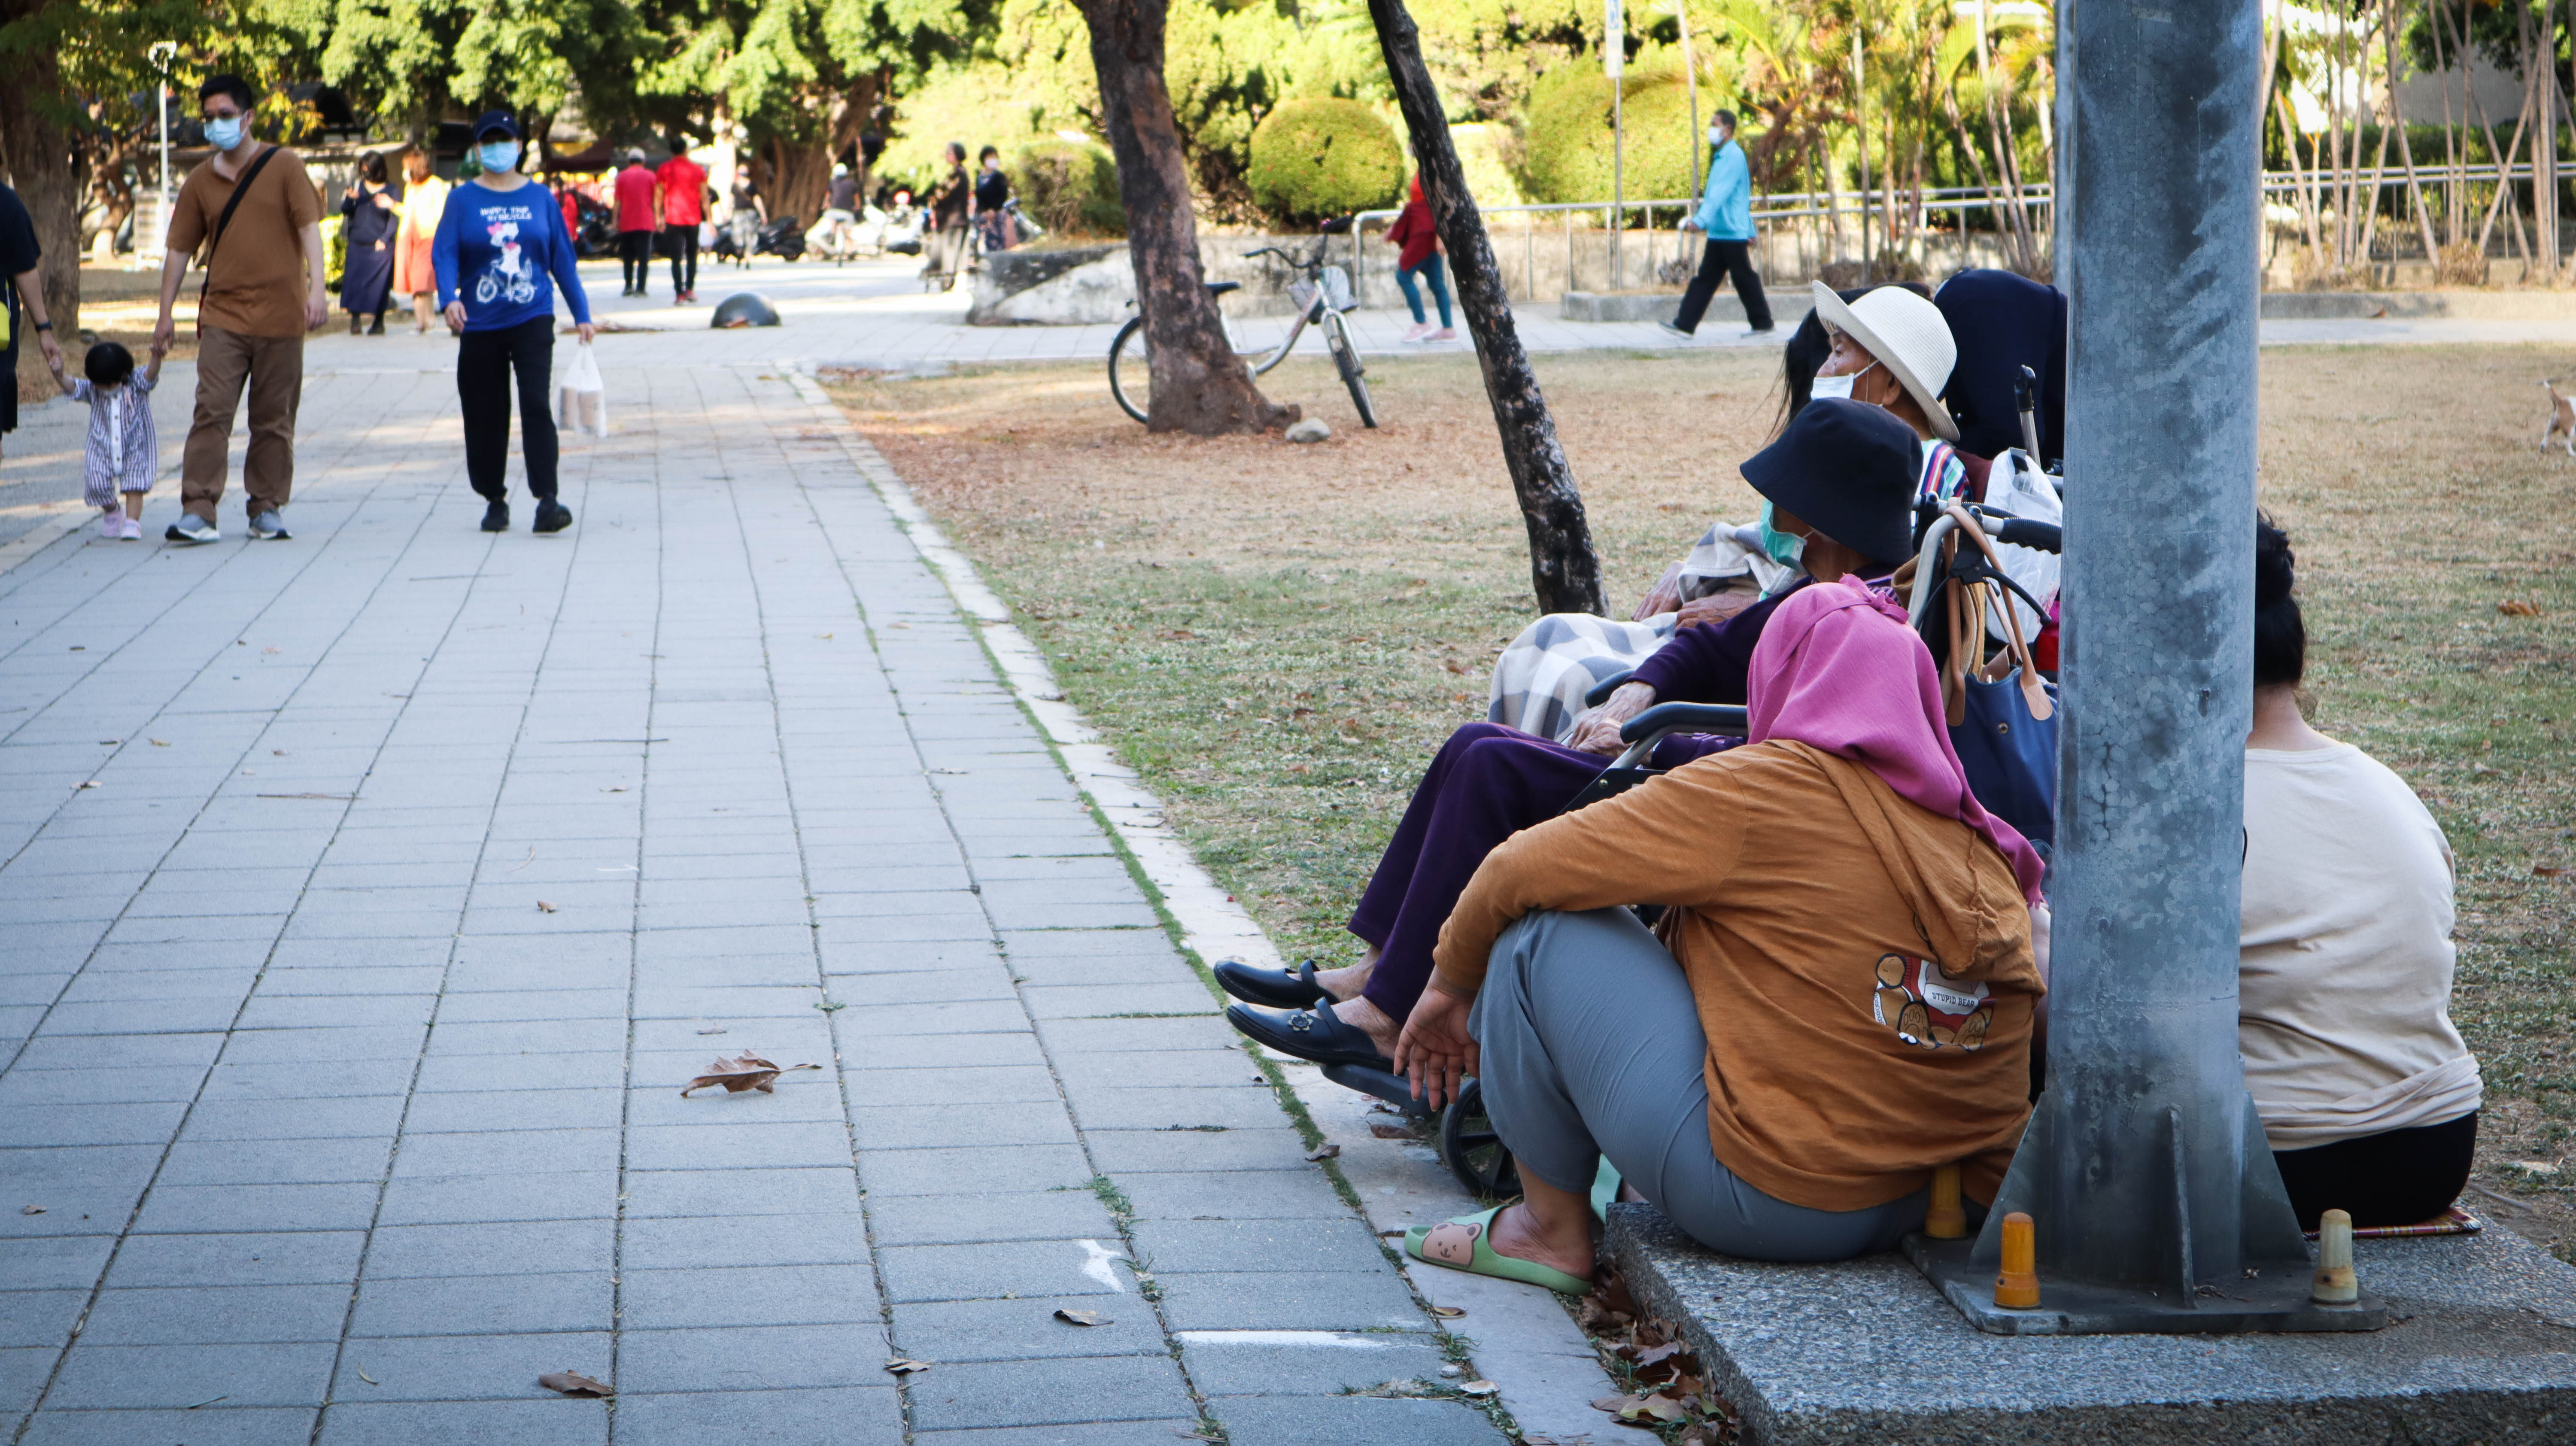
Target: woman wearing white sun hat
pixel 1893 349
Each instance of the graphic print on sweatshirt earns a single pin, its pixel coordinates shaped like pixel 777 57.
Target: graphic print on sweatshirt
pixel 508 276
pixel 1927 1006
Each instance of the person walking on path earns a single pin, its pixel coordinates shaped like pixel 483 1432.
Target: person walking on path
pixel 256 212
pixel 424 196
pixel 992 193
pixel 499 243
pixel 633 190
pixel 952 205
pixel 683 196
pixel 1725 216
pixel 124 449
pixel 1413 230
pixel 22 302
pixel 372 219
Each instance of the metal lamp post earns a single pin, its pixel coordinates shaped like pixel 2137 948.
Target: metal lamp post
pixel 163 53
pixel 2157 1204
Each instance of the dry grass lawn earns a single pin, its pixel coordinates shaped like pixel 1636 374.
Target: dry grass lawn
pixel 1277 636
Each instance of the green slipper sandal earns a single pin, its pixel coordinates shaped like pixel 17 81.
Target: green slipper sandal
pixel 1459 1243
pixel 1605 1189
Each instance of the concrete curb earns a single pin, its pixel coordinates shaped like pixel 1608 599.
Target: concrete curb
pixel 1212 924
pixel 44 534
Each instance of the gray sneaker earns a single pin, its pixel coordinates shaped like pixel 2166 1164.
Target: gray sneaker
pixel 192 530
pixel 270 525
pixel 1669 328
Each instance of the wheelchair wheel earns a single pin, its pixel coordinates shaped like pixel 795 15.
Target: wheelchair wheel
pixel 1471 1149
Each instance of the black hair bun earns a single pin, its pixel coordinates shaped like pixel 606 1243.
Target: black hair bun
pixel 2275 565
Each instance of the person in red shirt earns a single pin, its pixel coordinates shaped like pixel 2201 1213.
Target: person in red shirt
pixel 683 201
pixel 634 189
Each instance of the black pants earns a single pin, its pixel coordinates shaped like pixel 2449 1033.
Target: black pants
pixel 635 255
pixel 682 243
pixel 484 362
pixel 1725 259
pixel 2400 1177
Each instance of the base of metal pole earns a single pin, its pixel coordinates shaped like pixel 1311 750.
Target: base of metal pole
pixel 2275 1299
pixel 2266 1290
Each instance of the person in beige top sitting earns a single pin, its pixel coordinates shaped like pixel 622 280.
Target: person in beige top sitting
pixel 2367 1092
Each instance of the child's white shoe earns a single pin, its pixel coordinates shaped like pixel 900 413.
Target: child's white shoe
pixel 109 525
pixel 130 529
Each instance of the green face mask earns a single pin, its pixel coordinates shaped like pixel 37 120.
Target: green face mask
pixel 1785 548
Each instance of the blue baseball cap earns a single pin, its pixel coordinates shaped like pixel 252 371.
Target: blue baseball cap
pixel 497 120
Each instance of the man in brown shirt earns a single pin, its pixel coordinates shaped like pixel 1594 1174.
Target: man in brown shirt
pixel 264 290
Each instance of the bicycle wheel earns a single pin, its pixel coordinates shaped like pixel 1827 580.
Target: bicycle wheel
pixel 1471 1149
pixel 1346 360
pixel 1131 371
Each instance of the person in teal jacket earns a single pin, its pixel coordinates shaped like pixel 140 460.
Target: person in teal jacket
pixel 1725 216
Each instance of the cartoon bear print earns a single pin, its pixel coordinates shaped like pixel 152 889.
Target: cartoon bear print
pixel 1926 1006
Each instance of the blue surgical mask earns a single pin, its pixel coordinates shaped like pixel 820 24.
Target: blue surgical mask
pixel 225 133
pixel 498 156
pixel 1789 549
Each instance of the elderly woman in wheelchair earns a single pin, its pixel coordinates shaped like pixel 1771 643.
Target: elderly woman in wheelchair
pixel 1840 481
pixel 1839 1000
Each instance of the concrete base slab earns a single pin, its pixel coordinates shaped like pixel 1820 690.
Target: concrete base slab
pixel 1867 1351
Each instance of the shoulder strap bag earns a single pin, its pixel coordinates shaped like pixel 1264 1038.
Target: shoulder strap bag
pixel 241 188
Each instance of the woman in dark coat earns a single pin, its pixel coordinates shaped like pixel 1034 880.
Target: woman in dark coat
pixel 367 234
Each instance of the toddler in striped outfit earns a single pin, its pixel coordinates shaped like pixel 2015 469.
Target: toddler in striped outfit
pixel 124 451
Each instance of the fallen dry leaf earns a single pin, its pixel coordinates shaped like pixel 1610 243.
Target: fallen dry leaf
pixel 744 1072
pixel 31 1209
pixel 1384 1131
pixel 2546 871
pixel 1477 1388
pixel 362 1375
pixel 1083 1318
pixel 573 1383
pixel 1324 1152
pixel 157 743
pixel 1613 1404
pixel 902 1367
pixel 1655 1410
pixel 1448 1312
pixel 2514 607
pixel 544 908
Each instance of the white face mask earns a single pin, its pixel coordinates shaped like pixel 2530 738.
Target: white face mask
pixel 1840 386
pixel 1716 137
pixel 225 133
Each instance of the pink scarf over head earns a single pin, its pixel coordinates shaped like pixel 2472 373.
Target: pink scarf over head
pixel 1838 669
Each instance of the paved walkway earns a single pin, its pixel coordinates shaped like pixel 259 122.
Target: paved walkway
pixel 366 899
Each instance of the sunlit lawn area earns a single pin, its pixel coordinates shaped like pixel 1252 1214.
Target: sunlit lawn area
pixel 1276 636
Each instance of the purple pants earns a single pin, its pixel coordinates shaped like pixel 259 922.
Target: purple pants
pixel 1487 783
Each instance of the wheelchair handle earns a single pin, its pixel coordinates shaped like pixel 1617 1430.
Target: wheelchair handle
pixel 1602 690
pixel 1651 725
pixel 2023 532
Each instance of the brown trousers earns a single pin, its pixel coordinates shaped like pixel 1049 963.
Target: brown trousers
pixel 273 366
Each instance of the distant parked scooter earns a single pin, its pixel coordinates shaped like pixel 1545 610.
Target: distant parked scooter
pixel 782 238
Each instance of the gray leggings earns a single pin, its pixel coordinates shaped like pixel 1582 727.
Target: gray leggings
pixel 1592 1046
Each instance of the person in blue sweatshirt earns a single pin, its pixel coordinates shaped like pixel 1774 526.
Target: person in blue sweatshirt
pixel 500 251
pixel 1725 216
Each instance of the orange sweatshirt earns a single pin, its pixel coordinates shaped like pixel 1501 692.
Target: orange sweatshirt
pixel 1862 966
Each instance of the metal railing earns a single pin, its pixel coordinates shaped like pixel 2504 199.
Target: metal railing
pixel 1828 207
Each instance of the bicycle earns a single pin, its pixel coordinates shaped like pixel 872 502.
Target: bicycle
pixel 1322 298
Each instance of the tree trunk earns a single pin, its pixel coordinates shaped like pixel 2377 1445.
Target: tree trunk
pixel 1564 571
pixel 1200 386
pixel 37 158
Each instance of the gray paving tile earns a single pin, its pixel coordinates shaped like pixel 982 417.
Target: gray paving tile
pixel 559 1422
pixel 61 1262
pixel 1298 1245
pixel 748 1296
pixel 40 1317
pixel 780 1145
pixel 701 1242
pixel 466 1199
pixel 931 1126
pixel 845 1416
pixel 1285 1300
pixel 502 1248
pixel 1233 1195
pixel 1196 1108
pixel 214 1314
pixel 1122 1152
pixel 312 1257
pixel 1083 1433
pixel 1025 1267
pixel 267 1119
pixel 210 1426
pixel 1024 1328
pixel 518 1303
pixel 1050 1392
pixel 181 1376
pixel 975 1171
pixel 1352 1421
pixel 762 1358
pixel 679 1193
pixel 1322 1363
pixel 465 1367
pixel 195 1209
pixel 341 1160
pixel 506 1152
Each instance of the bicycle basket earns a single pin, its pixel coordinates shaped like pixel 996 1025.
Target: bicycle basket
pixel 1302 293
pixel 1337 288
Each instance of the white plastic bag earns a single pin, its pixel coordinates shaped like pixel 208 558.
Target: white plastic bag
pixel 581 401
pixel 2016 485
pixel 706 235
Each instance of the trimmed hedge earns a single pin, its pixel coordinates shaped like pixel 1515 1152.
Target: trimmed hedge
pixel 1325 157
pixel 1072 190
pixel 1566 147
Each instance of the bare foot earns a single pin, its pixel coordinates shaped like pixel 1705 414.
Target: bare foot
pixel 1382 1031
pixel 1566 1246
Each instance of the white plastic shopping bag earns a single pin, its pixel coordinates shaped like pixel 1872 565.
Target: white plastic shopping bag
pixel 582 402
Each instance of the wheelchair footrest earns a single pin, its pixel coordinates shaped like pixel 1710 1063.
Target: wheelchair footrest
pixel 1394 1089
